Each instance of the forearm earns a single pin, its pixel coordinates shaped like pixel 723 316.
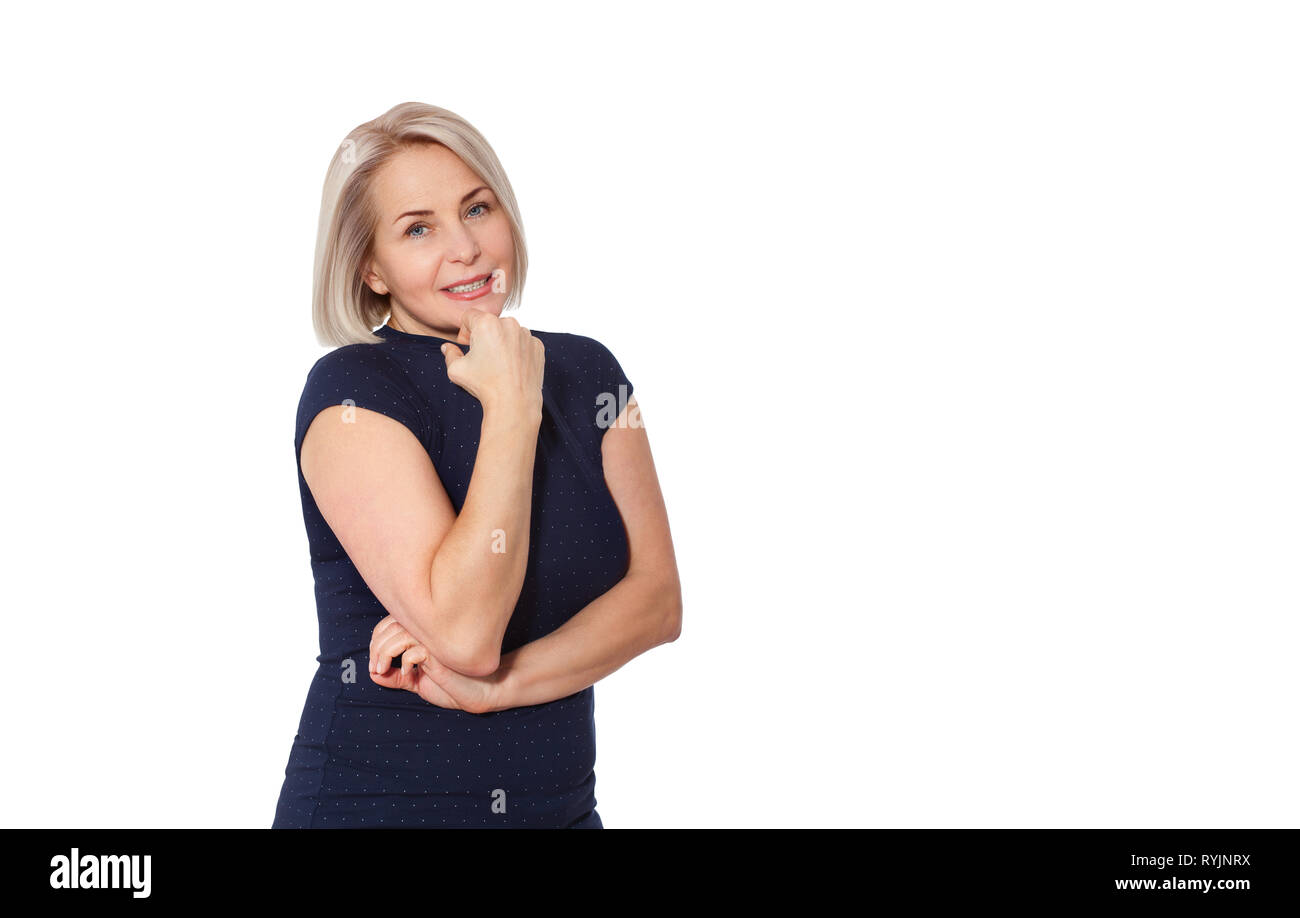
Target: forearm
pixel 638 613
pixel 478 569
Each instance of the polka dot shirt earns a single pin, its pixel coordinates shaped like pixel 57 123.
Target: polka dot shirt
pixel 368 756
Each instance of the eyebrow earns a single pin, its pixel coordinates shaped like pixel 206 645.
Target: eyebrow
pixel 429 213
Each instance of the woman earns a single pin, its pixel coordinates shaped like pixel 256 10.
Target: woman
pixel 487 534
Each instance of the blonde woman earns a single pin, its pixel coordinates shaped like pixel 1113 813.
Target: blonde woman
pixel 488 537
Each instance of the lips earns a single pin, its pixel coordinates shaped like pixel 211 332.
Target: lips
pixel 468 280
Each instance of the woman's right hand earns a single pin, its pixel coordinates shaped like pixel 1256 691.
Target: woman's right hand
pixel 505 364
pixel 421 673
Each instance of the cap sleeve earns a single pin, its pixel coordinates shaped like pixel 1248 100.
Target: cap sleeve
pixel 363 376
pixel 614 388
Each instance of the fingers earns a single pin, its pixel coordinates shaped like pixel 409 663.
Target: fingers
pixel 473 318
pixel 433 666
pixel 387 645
pixel 407 677
pixel 412 657
pixel 384 655
pixel 469 320
pixel 373 636
pixel 391 680
pixel 386 624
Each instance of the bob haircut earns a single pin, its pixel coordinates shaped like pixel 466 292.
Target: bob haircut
pixel 344 308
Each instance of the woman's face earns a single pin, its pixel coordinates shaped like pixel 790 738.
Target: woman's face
pixel 439 226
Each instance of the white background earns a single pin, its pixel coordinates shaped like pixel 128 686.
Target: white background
pixel 965 336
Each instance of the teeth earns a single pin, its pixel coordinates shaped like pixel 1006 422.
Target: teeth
pixel 466 288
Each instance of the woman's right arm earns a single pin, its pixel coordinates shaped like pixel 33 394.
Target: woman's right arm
pixel 451 580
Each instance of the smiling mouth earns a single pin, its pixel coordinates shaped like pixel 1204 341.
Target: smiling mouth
pixel 469 286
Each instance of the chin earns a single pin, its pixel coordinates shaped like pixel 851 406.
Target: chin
pixel 494 308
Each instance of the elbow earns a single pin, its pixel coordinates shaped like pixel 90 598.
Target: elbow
pixel 476 662
pixel 473 653
pixel 460 646
pixel 463 643
pixel 672 623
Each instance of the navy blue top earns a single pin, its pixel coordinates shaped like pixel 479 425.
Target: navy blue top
pixel 367 756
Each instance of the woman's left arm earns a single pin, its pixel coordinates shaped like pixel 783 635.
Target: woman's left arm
pixel 641 611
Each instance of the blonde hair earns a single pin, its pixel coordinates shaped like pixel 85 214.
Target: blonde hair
pixel 344 308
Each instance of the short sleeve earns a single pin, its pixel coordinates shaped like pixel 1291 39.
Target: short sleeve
pixel 614 389
pixel 363 376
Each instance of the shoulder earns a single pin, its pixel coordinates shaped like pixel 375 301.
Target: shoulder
pixel 583 350
pixel 583 357
pixel 359 369
pixel 365 376
pixel 589 371
pixel 353 358
pixel 559 341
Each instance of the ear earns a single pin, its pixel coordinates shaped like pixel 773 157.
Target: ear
pixel 373 280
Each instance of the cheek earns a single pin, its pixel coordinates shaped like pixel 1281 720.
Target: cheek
pixel 426 257
pixel 502 239
pixel 418 265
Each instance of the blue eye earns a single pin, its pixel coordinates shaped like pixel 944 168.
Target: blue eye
pixel 414 235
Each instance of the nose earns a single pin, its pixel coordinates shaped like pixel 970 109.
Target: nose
pixel 464 248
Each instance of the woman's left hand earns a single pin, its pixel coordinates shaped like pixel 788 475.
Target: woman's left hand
pixel 423 674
